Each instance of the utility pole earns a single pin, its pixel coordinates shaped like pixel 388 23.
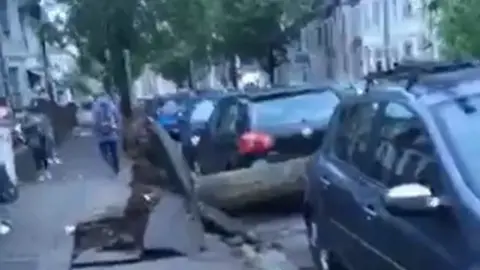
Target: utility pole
pixel 386 34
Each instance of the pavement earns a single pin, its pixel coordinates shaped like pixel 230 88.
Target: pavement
pixel 84 185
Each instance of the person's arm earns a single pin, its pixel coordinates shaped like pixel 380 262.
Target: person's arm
pixel 117 115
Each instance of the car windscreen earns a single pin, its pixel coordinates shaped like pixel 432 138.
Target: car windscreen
pixel 290 109
pixel 202 111
pixel 461 130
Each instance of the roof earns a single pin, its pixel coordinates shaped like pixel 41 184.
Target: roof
pixel 431 87
pixel 272 93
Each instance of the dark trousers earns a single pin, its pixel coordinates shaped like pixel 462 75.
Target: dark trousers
pixel 40 156
pixel 109 152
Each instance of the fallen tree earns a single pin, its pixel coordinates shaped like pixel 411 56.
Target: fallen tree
pixel 170 208
pixel 233 190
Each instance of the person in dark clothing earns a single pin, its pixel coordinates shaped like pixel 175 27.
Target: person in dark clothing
pixel 36 139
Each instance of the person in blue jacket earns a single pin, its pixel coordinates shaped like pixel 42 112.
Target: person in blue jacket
pixel 107 129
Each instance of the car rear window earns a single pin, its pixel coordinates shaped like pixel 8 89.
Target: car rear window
pixel 202 111
pixel 311 106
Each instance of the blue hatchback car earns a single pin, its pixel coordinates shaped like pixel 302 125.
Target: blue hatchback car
pixel 396 183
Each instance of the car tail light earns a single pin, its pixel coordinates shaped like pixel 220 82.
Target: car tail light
pixel 254 143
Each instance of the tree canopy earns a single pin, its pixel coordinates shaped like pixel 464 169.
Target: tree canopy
pixel 457 26
pixel 169 34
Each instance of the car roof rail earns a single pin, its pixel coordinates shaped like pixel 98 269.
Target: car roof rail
pixel 411 70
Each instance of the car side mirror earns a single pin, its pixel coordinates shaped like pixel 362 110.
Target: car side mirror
pixel 410 198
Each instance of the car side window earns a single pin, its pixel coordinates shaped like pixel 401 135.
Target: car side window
pixel 405 152
pixel 228 121
pixel 354 133
pixel 215 117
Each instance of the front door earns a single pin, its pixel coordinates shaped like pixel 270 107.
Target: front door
pixel 406 154
pixel 347 199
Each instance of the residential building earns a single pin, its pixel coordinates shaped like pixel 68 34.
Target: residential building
pixel 19 20
pixel 393 30
pixel 353 37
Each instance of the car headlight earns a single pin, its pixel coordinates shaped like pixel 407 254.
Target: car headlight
pixel 195 140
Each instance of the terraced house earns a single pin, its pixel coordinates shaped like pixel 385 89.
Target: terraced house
pixel 352 37
pixel 19 20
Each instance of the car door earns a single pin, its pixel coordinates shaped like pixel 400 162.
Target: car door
pixel 405 154
pixel 225 138
pixel 345 195
pixel 205 156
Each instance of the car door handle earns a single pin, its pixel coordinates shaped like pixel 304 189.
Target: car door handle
pixel 370 210
pixel 325 181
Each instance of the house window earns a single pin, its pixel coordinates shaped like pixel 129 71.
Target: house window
pixel 15 87
pixel 394 55
pixel 366 17
pixel 394 9
pixel 320 36
pixel 408 49
pixel 367 62
pixel 376 13
pixel 24 30
pixel 4 17
pixel 407 8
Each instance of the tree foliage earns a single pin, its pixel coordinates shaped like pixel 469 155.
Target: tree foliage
pixel 457 24
pixel 171 34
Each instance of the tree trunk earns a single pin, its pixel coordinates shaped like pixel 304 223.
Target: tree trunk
pixel 120 78
pixel 271 66
pixel 46 67
pixel 232 68
pixel 234 190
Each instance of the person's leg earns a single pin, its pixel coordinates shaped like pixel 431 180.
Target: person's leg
pixel 104 151
pixel 113 149
pixel 39 166
pixel 46 165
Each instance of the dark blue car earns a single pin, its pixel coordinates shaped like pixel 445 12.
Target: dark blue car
pixel 396 183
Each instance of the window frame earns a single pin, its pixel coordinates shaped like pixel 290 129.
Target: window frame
pixel 382 113
pixel 373 129
pixel 222 128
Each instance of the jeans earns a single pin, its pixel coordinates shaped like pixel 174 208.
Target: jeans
pixel 40 156
pixel 109 152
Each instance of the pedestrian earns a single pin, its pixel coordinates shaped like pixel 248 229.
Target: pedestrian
pixel 36 140
pixel 50 143
pixel 106 129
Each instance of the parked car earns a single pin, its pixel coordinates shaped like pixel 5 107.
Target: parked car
pixel 272 125
pixel 194 122
pixel 395 184
pixel 169 111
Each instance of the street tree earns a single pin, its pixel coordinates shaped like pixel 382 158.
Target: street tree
pixel 260 30
pixel 457 26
